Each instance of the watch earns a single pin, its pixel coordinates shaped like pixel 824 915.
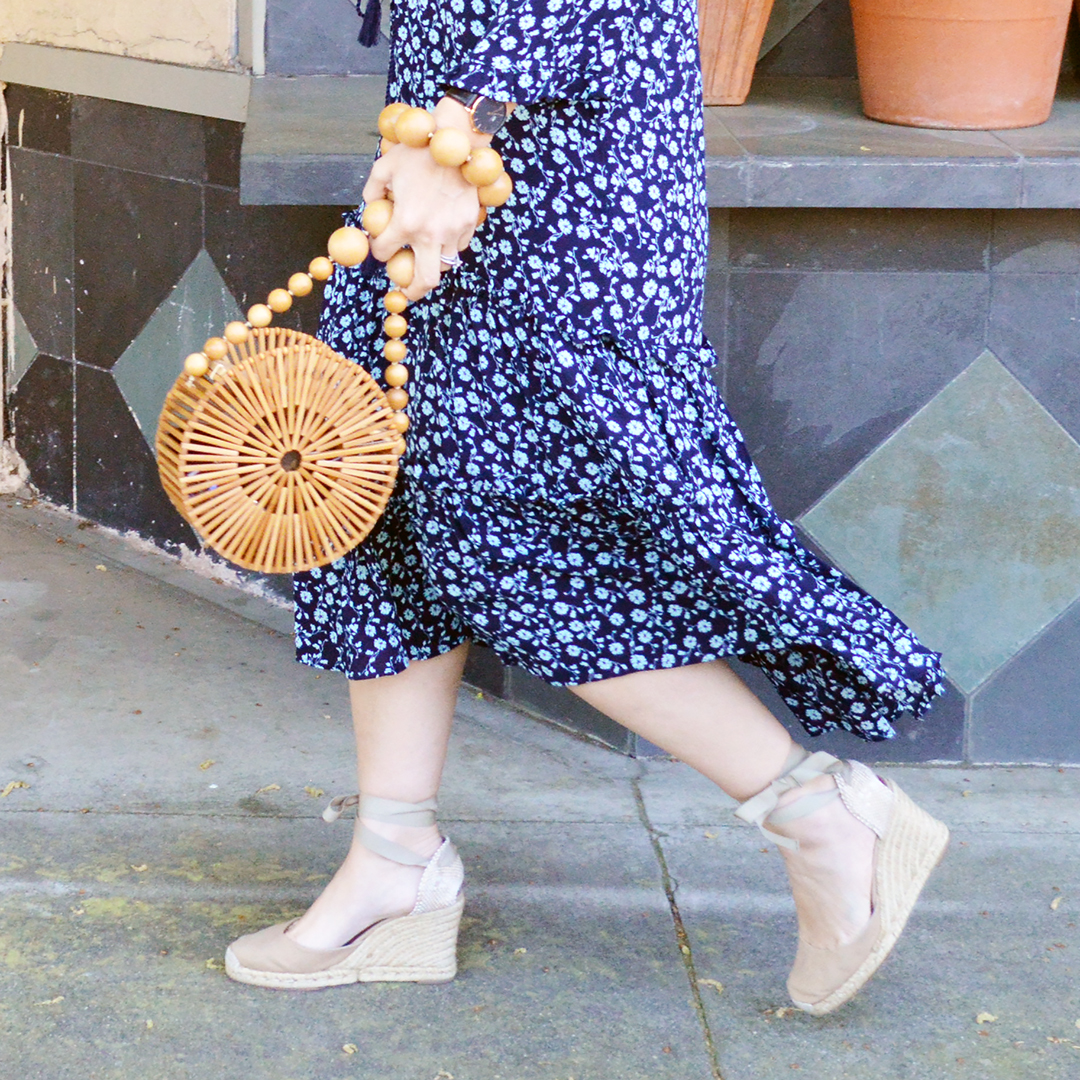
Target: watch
pixel 488 115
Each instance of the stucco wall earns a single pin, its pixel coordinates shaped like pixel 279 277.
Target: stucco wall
pixel 192 32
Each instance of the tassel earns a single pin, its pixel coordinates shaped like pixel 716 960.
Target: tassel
pixel 369 28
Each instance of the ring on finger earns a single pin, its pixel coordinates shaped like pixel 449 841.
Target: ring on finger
pixel 452 262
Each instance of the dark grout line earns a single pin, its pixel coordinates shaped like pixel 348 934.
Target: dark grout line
pixel 680 931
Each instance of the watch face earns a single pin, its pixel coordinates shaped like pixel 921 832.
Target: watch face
pixel 488 115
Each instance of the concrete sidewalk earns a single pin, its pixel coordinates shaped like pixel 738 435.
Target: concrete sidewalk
pixel 170 764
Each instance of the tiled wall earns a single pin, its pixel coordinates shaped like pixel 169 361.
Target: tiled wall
pixel 909 384
pixel 908 381
pixel 131 246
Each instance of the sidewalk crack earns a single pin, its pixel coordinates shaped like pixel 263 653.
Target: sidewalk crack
pixel 681 935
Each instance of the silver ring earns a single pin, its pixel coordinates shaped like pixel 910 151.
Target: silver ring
pixel 453 263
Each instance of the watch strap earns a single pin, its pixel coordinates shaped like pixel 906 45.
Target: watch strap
pixel 464 97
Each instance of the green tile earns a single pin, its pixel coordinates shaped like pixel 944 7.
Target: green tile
pixel 966 522
pixel 22 353
pixel 784 17
pixel 198 307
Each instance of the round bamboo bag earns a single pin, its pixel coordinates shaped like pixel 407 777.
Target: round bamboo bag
pixel 283 456
pixel 278 451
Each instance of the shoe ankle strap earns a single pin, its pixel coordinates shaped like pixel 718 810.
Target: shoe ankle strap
pixel 800 768
pixel 390 811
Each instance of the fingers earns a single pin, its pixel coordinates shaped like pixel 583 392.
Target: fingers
pixel 428 269
pixel 391 239
pixel 465 239
pixel 378 182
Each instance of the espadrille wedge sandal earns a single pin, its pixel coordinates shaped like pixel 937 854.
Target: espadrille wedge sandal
pixel 910 843
pixel 418 947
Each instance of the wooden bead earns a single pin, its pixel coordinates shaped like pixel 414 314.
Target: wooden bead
pixel 321 268
pixel 259 315
pixel 399 422
pixel 301 284
pixel 397 398
pixel 483 168
pixel 400 446
pixel 395 326
pixel 396 375
pixel 236 333
pixel 377 215
pixel 217 348
pixel 400 268
pixel 388 118
pixel 482 216
pixel 450 147
pixel 279 300
pixel 395 302
pixel 414 127
pixel 197 365
pixel 395 351
pixel 348 246
pixel 497 193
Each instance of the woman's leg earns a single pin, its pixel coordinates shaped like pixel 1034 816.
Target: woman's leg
pixel 402 725
pixel 706 716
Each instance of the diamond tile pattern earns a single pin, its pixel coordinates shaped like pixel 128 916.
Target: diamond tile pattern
pixel 966 522
pixel 22 353
pixel 1027 711
pixel 198 307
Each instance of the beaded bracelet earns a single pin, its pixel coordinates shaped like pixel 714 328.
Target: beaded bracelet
pixel 451 147
pixel 349 246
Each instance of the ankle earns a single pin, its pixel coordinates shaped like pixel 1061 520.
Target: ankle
pixel 424 840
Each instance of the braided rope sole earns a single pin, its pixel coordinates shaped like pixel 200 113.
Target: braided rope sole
pixel 913 845
pixel 410 948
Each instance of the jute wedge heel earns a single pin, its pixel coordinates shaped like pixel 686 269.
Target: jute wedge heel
pixel 419 947
pixel 910 843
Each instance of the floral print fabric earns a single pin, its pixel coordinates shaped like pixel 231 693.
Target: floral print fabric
pixel 575 494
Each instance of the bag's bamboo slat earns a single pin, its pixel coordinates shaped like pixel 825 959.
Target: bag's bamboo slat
pixel 283 461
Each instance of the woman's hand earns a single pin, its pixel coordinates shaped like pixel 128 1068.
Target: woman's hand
pixel 435 208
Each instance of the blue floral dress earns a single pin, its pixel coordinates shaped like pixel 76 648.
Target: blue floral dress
pixel 574 493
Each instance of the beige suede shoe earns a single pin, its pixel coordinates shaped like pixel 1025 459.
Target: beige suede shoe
pixel 910 844
pixel 418 947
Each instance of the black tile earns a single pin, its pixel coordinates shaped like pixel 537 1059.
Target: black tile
pixel 135 235
pixel 822 44
pixel 821 368
pixel 42 238
pixel 278 584
pixel 1036 241
pixel 715 315
pixel 42 415
pixel 155 141
pixel 1028 710
pixel 256 248
pixel 859 239
pixel 117 477
pixel 485 670
pixel 559 704
pixel 1035 332
pixel 222 139
pixel 1071 61
pixel 39 119
pixel 939 736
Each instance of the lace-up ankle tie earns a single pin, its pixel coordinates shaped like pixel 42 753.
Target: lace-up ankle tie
pixel 800 768
pixel 390 812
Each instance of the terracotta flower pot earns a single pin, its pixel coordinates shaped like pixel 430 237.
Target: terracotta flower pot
pixel 959 63
pixel 729 34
